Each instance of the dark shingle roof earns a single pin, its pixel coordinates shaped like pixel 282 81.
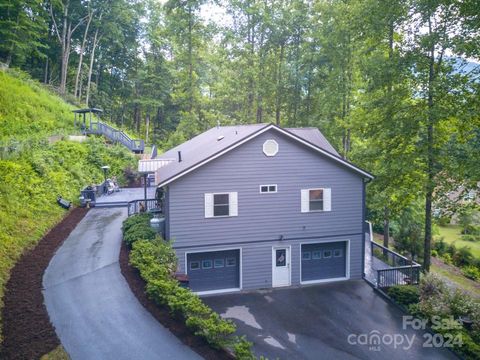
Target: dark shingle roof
pixel 215 141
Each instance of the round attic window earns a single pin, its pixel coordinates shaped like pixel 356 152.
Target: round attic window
pixel 270 148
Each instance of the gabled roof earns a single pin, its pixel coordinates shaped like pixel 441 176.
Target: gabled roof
pixel 217 141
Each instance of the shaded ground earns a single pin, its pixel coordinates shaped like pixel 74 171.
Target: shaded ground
pixel 94 312
pixel 317 322
pixel 454 277
pixel 162 314
pixel 27 331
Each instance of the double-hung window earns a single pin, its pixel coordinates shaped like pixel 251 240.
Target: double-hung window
pixel 221 204
pixel 318 199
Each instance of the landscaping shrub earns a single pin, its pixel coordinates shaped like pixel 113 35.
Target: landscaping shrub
pixel 447 258
pixel 136 219
pixel 405 294
pixel 463 257
pixel 471 237
pixel 157 263
pixel 434 253
pixel 440 245
pixel 139 232
pixel 471 272
pixel 437 300
pixel 443 220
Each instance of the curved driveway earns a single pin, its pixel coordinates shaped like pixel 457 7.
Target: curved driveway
pixel 95 314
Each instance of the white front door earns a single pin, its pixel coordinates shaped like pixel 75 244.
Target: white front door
pixel 280 266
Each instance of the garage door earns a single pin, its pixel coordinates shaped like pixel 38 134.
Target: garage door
pixel 324 261
pixel 214 270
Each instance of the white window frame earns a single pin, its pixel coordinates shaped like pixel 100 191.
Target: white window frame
pixel 305 200
pixel 209 205
pixel 268 189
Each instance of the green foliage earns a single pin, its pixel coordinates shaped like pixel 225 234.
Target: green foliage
pixel 156 262
pixel 437 301
pixel 404 294
pixel 137 227
pixel 139 232
pixel 471 272
pixel 443 220
pixel 242 349
pixel 28 112
pixel 31 180
pixel 469 220
pixel 471 238
pixel 136 219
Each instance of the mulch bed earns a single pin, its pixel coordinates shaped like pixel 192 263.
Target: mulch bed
pixel 27 331
pixel 162 314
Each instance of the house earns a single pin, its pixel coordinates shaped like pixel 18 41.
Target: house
pixel 260 206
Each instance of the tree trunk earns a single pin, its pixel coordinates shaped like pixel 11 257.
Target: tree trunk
pixel 386 226
pixel 45 75
pixel 278 102
pixel 147 126
pixel 80 60
pixel 90 68
pixel 430 160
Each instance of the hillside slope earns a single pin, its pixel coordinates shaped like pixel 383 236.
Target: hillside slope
pixel 30 111
pixel 31 179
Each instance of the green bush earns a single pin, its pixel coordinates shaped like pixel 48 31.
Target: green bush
pixel 471 272
pixel 404 294
pixel 157 262
pixel 139 232
pixel 434 253
pixel 136 219
pixel 440 245
pixel 443 220
pixel 471 237
pixel 447 258
pixel 243 349
pixel 463 257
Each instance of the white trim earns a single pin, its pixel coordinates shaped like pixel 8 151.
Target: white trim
pixel 289 263
pixel 218 291
pixel 270 141
pixel 305 200
pixel 232 205
pixel 248 138
pixel 347 262
pixel 212 292
pixel 268 192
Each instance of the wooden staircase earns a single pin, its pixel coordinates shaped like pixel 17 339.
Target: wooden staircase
pixel 115 135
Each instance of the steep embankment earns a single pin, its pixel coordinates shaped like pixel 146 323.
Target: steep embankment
pixel 33 171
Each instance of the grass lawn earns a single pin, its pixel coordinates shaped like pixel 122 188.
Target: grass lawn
pixel 451 233
pixel 458 280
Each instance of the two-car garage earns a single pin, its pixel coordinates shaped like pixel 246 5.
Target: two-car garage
pixel 214 270
pixel 322 261
pixel 220 270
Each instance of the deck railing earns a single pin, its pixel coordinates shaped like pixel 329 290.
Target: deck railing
pixel 100 128
pixel 402 271
pixel 396 269
pixel 149 205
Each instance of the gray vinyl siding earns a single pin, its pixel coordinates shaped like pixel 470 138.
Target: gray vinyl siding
pixel 263 218
pixel 166 211
pixel 256 260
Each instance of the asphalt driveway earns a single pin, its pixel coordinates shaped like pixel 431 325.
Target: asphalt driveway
pixel 95 314
pixel 323 322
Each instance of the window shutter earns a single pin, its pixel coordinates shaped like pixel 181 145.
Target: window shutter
pixel 233 203
pixel 305 201
pixel 327 199
pixel 208 205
